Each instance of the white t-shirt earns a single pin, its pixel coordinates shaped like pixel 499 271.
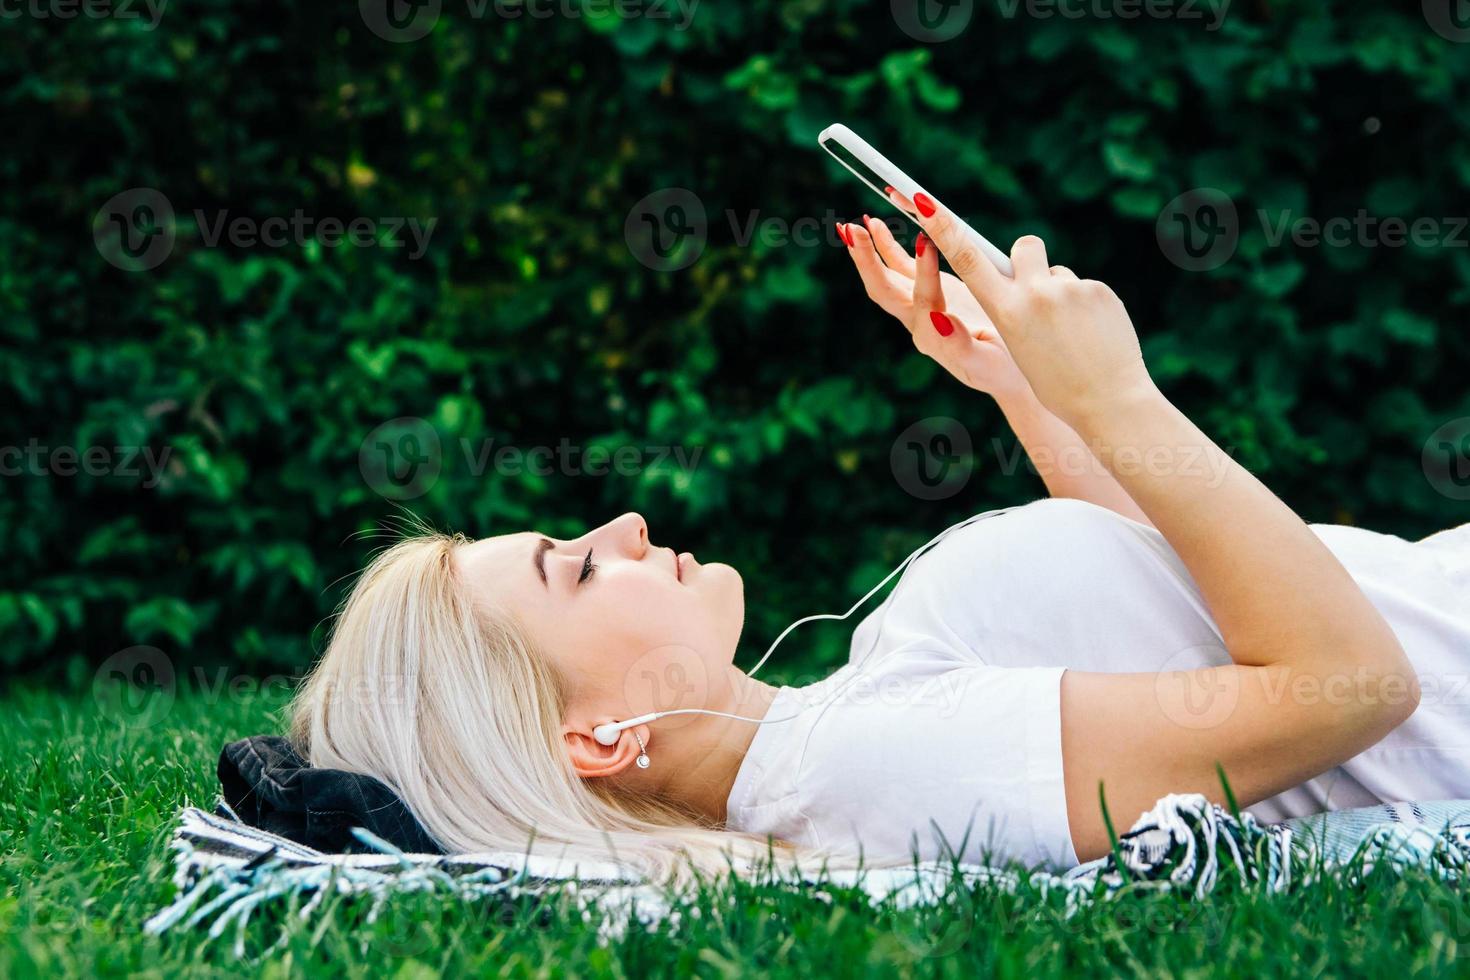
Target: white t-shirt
pixel 942 734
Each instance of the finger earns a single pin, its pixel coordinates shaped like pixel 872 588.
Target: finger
pixel 948 339
pixel 878 279
pixel 1062 272
pixel 893 254
pixel 1028 256
pixel 928 290
pixel 901 202
pixel 986 283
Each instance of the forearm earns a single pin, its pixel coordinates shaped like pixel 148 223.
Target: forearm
pixel 1062 459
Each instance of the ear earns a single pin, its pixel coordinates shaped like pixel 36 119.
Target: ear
pixel 591 759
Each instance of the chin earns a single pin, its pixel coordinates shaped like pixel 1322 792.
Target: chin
pixel 726 590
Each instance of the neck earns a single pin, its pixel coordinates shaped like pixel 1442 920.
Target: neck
pixel 696 757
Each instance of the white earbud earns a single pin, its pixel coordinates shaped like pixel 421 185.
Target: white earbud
pixel 608 734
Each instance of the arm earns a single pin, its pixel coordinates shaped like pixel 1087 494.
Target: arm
pixel 1317 675
pixel 1060 456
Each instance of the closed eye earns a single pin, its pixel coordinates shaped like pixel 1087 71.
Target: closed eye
pixel 587 568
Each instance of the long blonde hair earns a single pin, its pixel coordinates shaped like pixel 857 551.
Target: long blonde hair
pixel 448 703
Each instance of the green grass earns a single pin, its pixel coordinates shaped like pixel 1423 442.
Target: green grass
pixel 87 802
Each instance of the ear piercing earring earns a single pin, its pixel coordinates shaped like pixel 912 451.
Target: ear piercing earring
pixel 643 761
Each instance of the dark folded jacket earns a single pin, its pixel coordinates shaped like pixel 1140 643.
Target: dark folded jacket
pixel 270 786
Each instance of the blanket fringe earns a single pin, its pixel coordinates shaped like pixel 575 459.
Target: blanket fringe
pixel 225 870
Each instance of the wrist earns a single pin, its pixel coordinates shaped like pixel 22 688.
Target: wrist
pixel 1019 402
pixel 1118 410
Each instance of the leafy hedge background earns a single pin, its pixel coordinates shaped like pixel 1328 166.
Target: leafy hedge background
pixel 529 320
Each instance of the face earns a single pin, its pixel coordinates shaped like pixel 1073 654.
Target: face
pixel 633 627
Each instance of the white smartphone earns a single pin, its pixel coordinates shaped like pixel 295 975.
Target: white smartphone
pixel 877 171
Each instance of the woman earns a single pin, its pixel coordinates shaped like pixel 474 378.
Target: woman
pixel 1165 614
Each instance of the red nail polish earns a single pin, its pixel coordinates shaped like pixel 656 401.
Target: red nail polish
pixel 925 204
pixel 842 234
pixel 920 244
pixel 889 191
pixel 941 323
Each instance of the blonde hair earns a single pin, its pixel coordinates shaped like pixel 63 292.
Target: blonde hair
pixel 448 703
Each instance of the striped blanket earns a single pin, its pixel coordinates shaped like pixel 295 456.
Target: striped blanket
pixel 226 869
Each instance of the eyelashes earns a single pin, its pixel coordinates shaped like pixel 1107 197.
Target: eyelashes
pixel 587 568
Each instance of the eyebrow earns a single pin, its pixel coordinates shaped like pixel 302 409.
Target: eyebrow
pixel 539 558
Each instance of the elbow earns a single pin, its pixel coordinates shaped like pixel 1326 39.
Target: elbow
pixel 1413 694
pixel 1392 692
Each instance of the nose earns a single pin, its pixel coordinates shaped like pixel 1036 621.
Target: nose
pixel 628 534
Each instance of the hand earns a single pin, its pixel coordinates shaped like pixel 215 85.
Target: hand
pixel 973 352
pixel 1071 337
